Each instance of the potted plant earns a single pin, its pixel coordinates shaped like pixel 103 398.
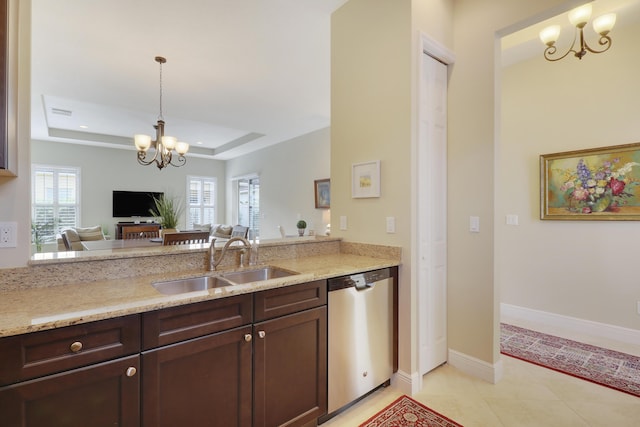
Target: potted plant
pixel 168 211
pixel 302 224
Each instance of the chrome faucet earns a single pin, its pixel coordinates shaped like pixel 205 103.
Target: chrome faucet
pixel 213 263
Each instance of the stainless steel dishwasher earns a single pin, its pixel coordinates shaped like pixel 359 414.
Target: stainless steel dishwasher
pixel 360 313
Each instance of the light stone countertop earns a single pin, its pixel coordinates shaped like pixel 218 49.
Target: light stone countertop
pixel 42 308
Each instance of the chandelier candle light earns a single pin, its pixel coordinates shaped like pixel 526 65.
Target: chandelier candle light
pixel 163 145
pixel 579 18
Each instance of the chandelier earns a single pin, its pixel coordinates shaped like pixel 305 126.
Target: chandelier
pixel 579 18
pixel 164 146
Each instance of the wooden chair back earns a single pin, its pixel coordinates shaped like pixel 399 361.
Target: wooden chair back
pixel 141 232
pixel 185 238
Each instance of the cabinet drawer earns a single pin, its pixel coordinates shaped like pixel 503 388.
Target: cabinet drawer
pixel 289 299
pixel 176 324
pixel 36 354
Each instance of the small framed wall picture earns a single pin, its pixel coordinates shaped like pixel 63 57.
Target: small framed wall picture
pixel 322 190
pixel 365 179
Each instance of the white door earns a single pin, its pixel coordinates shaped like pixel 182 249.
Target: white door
pixel 432 215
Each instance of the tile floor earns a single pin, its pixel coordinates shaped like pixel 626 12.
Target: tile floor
pixel 528 395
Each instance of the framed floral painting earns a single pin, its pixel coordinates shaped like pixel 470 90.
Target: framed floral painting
pixel 594 184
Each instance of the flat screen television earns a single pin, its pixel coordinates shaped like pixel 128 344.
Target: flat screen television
pixel 133 203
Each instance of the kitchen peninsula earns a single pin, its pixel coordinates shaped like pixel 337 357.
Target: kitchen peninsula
pixel 138 339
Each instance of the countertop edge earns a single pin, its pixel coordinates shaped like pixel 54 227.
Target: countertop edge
pixel 32 310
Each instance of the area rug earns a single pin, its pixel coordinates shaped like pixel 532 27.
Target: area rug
pixel 407 412
pixel 609 368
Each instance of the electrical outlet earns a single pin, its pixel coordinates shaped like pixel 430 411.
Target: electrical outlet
pixel 8 234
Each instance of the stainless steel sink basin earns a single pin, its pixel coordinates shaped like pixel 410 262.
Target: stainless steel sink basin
pixel 193 284
pixel 256 275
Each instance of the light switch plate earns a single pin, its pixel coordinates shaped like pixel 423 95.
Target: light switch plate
pixel 391 224
pixel 474 224
pixel 343 222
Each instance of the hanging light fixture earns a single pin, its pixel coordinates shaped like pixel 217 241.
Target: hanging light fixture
pixel 579 18
pixel 164 146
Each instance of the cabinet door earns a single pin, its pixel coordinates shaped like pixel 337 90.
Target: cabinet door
pixel 105 394
pixel 204 381
pixel 290 369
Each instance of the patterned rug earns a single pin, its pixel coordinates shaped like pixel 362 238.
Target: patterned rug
pixel 613 369
pixel 407 412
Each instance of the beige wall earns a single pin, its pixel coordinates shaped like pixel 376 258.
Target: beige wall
pixel 473 295
pixel 371 47
pixel 574 268
pixel 373 75
pixel 287 171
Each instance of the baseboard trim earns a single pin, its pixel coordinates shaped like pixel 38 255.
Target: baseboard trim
pixel 476 367
pixel 573 324
pixel 407 383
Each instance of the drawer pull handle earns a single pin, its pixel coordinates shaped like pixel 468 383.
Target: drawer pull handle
pixel 76 346
pixel 131 371
pixel 262 334
pixel 247 337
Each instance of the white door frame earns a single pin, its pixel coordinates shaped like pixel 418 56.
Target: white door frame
pixel 437 51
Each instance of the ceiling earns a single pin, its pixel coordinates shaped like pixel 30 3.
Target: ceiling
pixel 239 76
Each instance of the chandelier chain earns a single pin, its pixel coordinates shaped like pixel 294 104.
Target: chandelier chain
pixel 160 117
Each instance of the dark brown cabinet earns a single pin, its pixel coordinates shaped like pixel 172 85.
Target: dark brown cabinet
pixel 247 360
pixel 204 381
pixel 290 355
pixel 73 377
pixel 290 369
pixel 104 394
pixel 200 375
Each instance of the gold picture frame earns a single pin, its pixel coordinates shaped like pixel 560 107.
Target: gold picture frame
pixel 593 184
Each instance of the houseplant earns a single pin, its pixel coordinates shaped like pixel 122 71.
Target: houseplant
pixel 168 211
pixel 302 224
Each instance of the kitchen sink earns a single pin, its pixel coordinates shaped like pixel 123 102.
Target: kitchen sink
pixel 203 283
pixel 193 284
pixel 256 275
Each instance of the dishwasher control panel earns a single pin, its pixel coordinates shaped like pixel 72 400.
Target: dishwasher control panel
pixel 360 280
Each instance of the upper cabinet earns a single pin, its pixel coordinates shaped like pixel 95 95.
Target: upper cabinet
pixel 8 87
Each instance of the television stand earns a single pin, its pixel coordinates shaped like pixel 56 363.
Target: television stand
pixel 123 224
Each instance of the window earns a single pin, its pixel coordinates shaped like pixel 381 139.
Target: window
pixel 249 205
pixel 55 199
pixel 202 200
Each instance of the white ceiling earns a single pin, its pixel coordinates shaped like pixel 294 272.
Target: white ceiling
pixel 240 74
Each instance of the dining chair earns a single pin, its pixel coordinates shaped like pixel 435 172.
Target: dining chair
pixel 141 232
pixel 65 241
pixel 185 238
